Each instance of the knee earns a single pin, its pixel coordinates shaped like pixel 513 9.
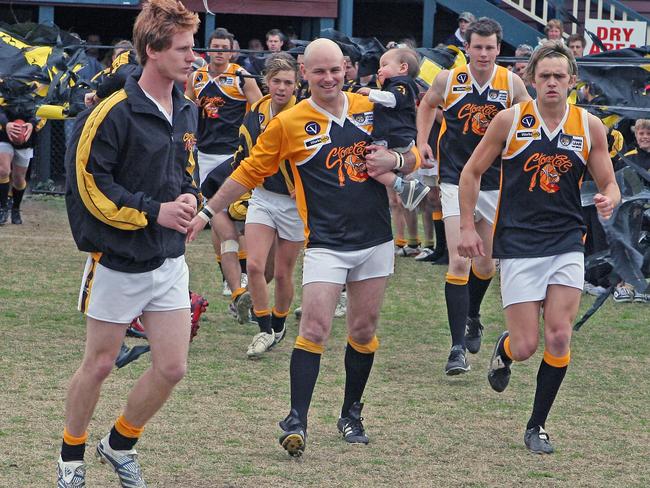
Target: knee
pixel 282 277
pixel 98 367
pixel 558 340
pixel 254 267
pixel 523 349
pixel 363 329
pixel 172 372
pixel 313 329
pixel 4 171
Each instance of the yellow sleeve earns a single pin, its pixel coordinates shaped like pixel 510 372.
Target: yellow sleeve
pixel 265 156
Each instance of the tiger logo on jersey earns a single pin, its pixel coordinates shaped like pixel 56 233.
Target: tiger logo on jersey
pixel 210 106
pixel 477 117
pixel 547 169
pixel 351 159
pixel 189 141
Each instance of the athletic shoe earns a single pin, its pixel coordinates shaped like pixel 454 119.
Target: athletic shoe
pixel 198 305
pixel 537 441
pixel 623 294
pixel 473 334
pixel 298 312
pixel 407 251
pixel 226 291
pixel 243 304
pixel 426 254
pixel 125 464
pixel 262 342
pixel 342 305
pixel 15 216
pixel 352 426
pixel 71 474
pixel 442 258
pixel 412 194
pixel 294 435
pixel 641 297
pixel 4 215
pixel 457 362
pixel 279 336
pixel 593 290
pixel 499 372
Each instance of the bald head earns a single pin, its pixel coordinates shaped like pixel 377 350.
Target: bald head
pixel 322 49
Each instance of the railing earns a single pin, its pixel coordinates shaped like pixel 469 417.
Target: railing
pixel 538 10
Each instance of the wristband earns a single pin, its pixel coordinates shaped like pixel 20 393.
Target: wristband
pixel 399 161
pixel 206 213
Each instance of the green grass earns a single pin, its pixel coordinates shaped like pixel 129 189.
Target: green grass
pixel 219 429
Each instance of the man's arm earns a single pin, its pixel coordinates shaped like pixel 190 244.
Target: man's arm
pixel 426 113
pixel 251 90
pixel 601 169
pixel 520 94
pixel 380 160
pixel 469 185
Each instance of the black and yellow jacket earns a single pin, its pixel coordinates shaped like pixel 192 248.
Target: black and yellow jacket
pixel 124 162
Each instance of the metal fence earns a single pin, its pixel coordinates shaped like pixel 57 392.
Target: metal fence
pixel 47 168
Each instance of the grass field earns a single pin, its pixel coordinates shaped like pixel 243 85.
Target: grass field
pixel 220 427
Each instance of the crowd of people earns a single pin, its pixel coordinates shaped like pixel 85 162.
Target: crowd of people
pixel 283 151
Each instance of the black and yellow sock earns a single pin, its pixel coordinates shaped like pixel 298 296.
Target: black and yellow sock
pixel 303 371
pixel 477 286
pixel 439 231
pixel 263 319
pixel 124 435
pixel 504 350
pixel 358 364
pixel 549 379
pixel 400 242
pixel 457 298
pixel 278 319
pixel 223 276
pixel 73 448
pixel 17 196
pixel 413 242
pixel 4 191
pixel 242 255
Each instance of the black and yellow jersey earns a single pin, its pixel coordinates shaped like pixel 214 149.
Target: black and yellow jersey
pixel 341 206
pixel 222 105
pixel 113 78
pixel 467 111
pixel 255 122
pixel 640 157
pixel 540 211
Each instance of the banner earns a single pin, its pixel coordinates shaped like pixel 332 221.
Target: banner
pixel 615 34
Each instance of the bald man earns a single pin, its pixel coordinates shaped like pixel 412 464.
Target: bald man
pixel 327 141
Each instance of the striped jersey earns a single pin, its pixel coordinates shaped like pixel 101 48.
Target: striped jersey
pixel 467 111
pixel 539 212
pixel 341 206
pixel 222 105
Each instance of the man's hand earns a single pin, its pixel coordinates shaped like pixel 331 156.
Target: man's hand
pixel 176 215
pixel 604 206
pixel 471 244
pixel 379 160
pixel 91 99
pixel 196 226
pixel 189 199
pixel 364 91
pixel 426 154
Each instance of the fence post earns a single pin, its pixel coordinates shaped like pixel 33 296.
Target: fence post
pixel 43 153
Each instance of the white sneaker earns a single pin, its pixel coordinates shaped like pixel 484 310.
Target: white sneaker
pixel 279 335
pixel 623 294
pixel 226 289
pixel 341 306
pixel 261 343
pixel 408 251
pixel 125 464
pixel 71 474
pixel 424 254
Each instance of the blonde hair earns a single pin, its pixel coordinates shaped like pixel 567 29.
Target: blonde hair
pixel 277 62
pixel 557 23
pixel 641 124
pixel 158 22
pixel 550 49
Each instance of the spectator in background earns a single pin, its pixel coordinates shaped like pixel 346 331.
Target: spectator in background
pixel 458 37
pixel 255 44
pixel 577 44
pixel 524 51
pixel 553 30
pixel 93 66
pixel 274 40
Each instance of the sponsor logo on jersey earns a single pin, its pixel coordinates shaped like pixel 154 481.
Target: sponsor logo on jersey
pixel 547 169
pixel 461 88
pixel 312 128
pixel 317 141
pixel 528 121
pixel 528 135
pixel 569 142
pixel 363 118
pixel 477 117
pixel 462 77
pixel 500 96
pixel 227 80
pixel 350 160
pixel 260 118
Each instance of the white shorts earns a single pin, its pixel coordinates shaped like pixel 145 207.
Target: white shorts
pixel 118 297
pixel 207 162
pixel 19 157
pixel 486 205
pixel 276 211
pixel 326 265
pixel 526 279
